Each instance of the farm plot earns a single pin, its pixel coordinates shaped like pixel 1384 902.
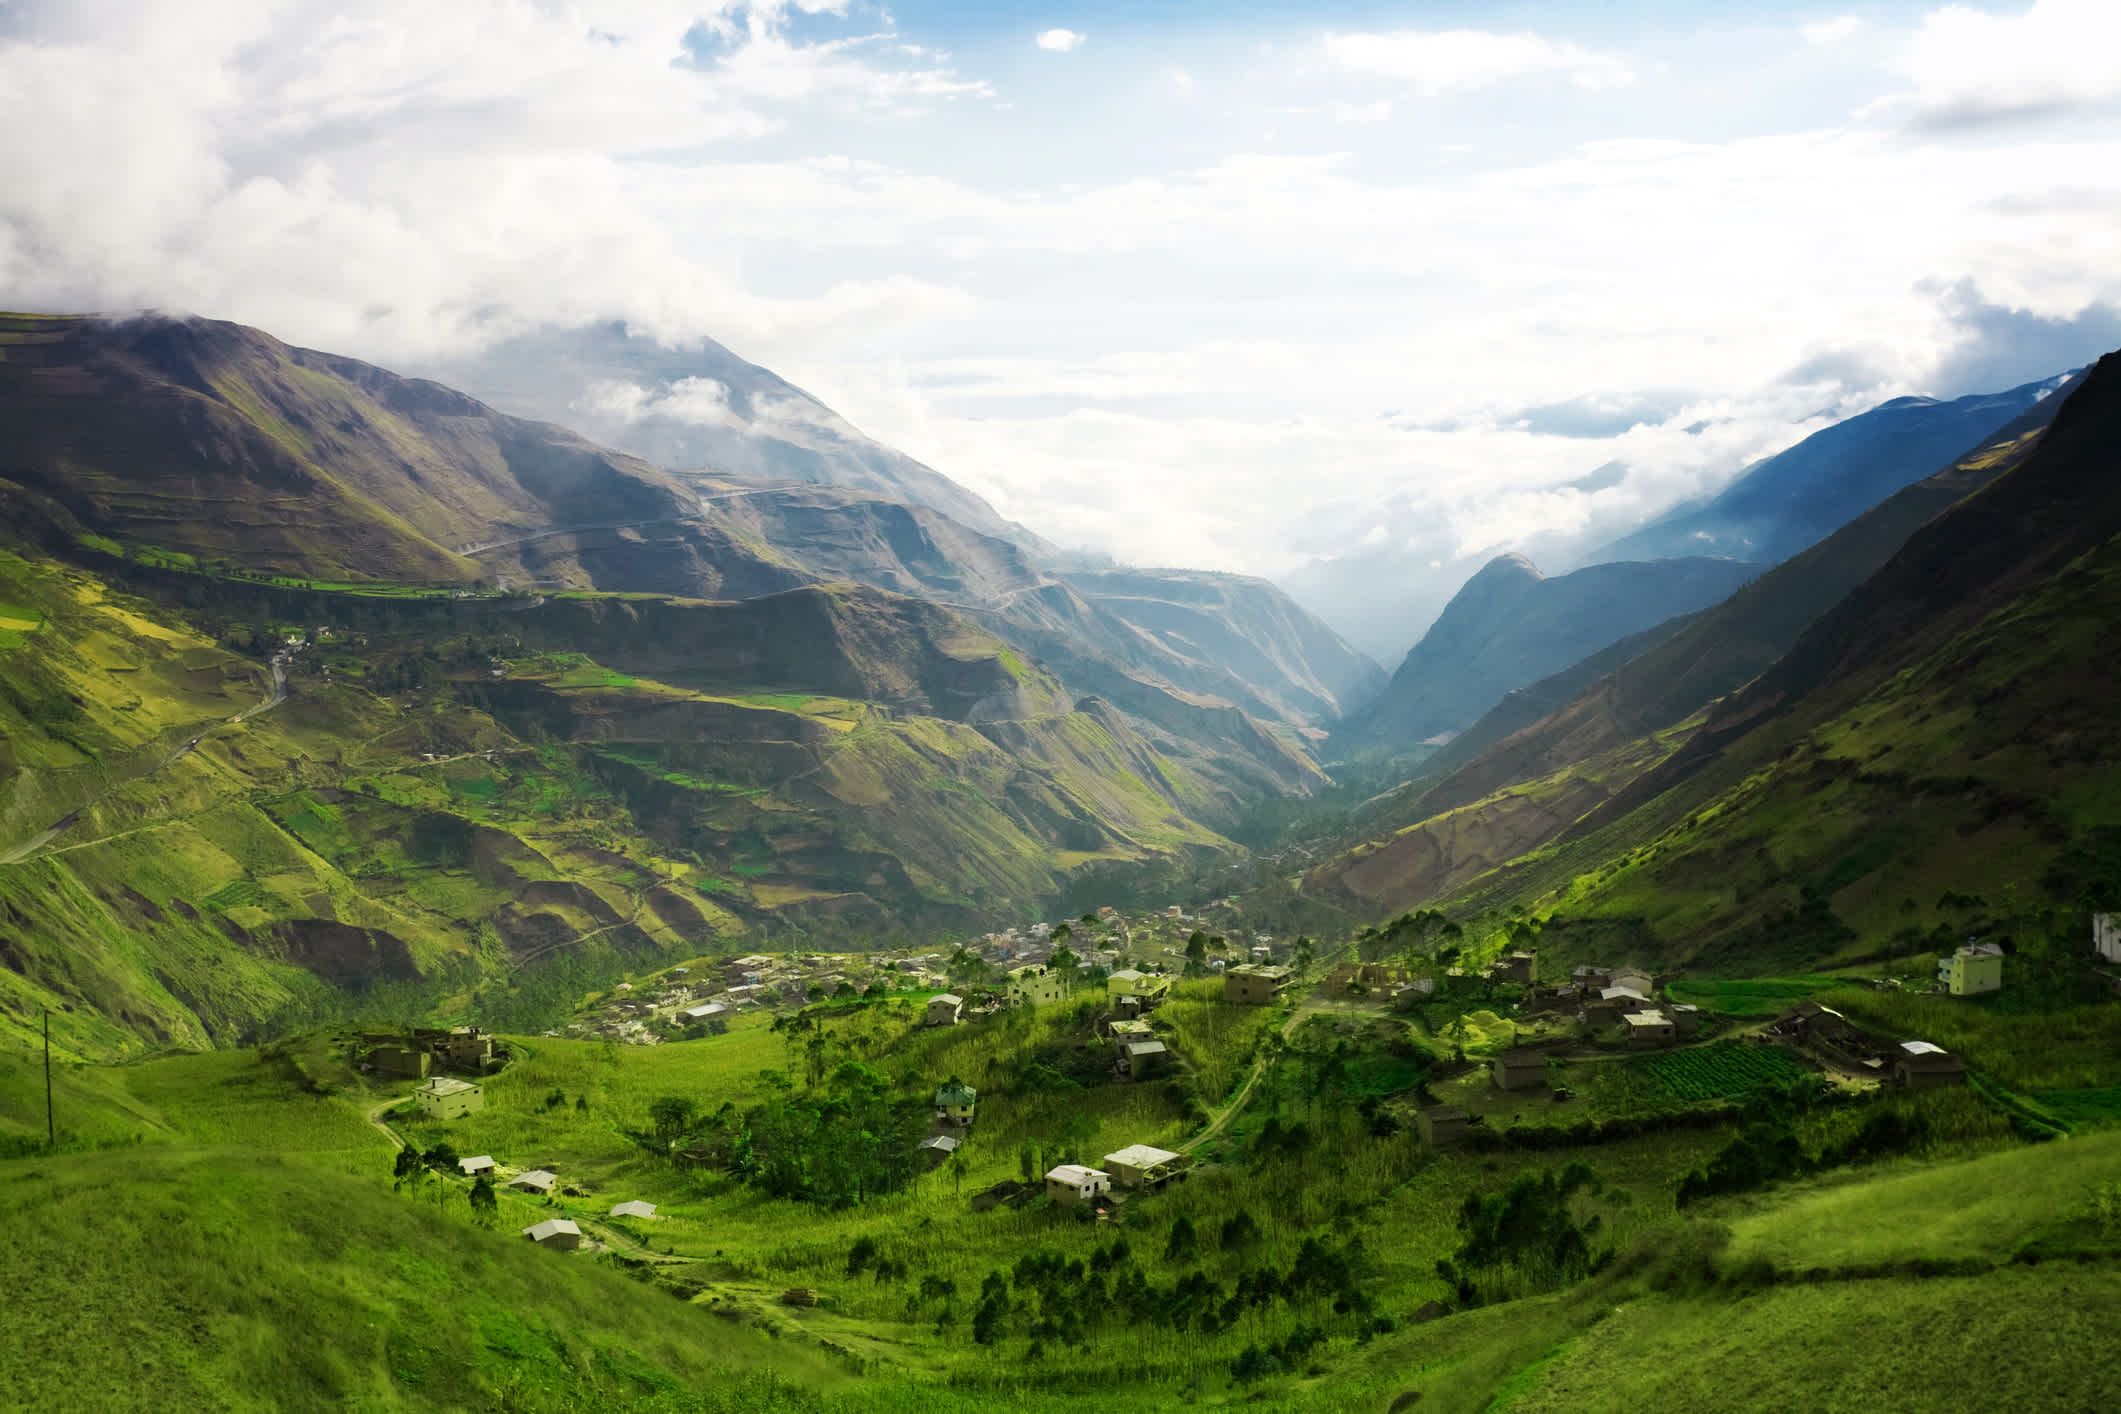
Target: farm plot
pixel 1675 1079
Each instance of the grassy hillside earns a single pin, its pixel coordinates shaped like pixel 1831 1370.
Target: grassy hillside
pixel 457 806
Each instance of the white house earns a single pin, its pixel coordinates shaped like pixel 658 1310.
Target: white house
pixel 634 1209
pixel 945 1008
pixel 1144 1165
pixel 536 1181
pixel 558 1233
pixel 2106 935
pixel 474 1167
pixel 1076 1183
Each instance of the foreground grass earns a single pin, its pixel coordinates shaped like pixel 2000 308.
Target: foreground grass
pixel 1982 1210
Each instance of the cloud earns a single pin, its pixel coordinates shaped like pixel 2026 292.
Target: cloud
pixel 1999 347
pixel 1827 33
pixel 697 402
pixel 1060 41
pixel 1972 69
pixel 1453 60
pixel 1597 414
pixel 1603 478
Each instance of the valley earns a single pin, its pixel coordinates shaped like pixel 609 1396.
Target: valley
pixel 582 934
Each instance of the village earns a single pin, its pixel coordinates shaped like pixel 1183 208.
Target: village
pixel 1559 1035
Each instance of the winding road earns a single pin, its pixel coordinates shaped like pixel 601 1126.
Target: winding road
pixel 29 848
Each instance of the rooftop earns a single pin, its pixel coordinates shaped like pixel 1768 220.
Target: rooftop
pixel 634 1209
pixel 1140 1156
pixel 444 1085
pixel 1074 1173
pixel 947 999
pixel 551 1227
pixel 942 1142
pixel 1922 1048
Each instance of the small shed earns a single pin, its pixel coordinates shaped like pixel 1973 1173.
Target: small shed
pixel 1919 1065
pixel 1521 1068
pixel 560 1234
pixel 445 1098
pixel 1145 1166
pixel 938 1148
pixel 1076 1183
pixel 634 1209
pixel 474 1167
pixel 712 1015
pixel 1686 1018
pixel 535 1181
pixel 955 1102
pixel 1145 1058
pixel 945 1009
pixel 1441 1126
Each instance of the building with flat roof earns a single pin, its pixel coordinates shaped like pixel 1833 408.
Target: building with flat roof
pixel 1972 969
pixel 1145 1166
pixel 1036 986
pixel 445 1098
pixel 1254 984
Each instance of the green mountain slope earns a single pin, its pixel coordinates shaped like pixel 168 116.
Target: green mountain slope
pixel 1647 686
pixel 1936 754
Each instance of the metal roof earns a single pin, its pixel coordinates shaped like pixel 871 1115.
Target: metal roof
pixel 1076 1174
pixel 634 1209
pixel 1140 1156
pixel 551 1227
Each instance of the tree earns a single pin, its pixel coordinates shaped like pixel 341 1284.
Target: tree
pixel 485 1207
pixel 1061 934
pixel 1064 961
pixel 672 1115
pixel 1304 954
pixel 1197 952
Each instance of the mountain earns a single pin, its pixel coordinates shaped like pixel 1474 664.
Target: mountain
pixel 1934 751
pixel 701 407
pixel 1243 626
pixel 1795 498
pixel 1510 626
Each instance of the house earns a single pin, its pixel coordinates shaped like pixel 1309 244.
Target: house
pixel 1126 1031
pixel 713 1015
pixel 2106 936
pixel 1646 1029
pixel 560 1234
pixel 945 1008
pixel 1036 986
pixel 634 1209
pixel 1612 1003
pixel 406 1062
pixel 1686 1019
pixel 1076 1183
pixel 483 1164
pixel 1145 1166
pixel 465 1047
pixel 1521 1068
pixel 1147 989
pixel 536 1181
pixel 1972 969
pixel 1254 985
pixel 1414 993
pixel 955 1102
pixel 1918 1065
pixel 1635 980
pixel 1518 967
pixel 1441 1126
pixel 937 1148
pixel 1142 1058
pixel 444 1098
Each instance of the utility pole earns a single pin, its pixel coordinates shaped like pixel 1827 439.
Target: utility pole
pixel 51 1124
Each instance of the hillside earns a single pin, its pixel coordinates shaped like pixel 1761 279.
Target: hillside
pixel 1792 500
pixel 1652 682
pixel 454 795
pixel 701 407
pixel 1246 628
pixel 219 442
pixel 1933 756
pixel 1511 626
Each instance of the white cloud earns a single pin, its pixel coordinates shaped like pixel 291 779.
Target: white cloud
pixel 1453 60
pixel 1970 67
pixel 700 402
pixel 1826 33
pixel 1060 41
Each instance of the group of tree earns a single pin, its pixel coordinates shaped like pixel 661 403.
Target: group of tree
pixel 1526 1238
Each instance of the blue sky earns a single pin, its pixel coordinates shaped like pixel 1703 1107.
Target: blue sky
pixel 1234 285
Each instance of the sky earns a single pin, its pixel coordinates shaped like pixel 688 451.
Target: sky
pixel 1239 285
